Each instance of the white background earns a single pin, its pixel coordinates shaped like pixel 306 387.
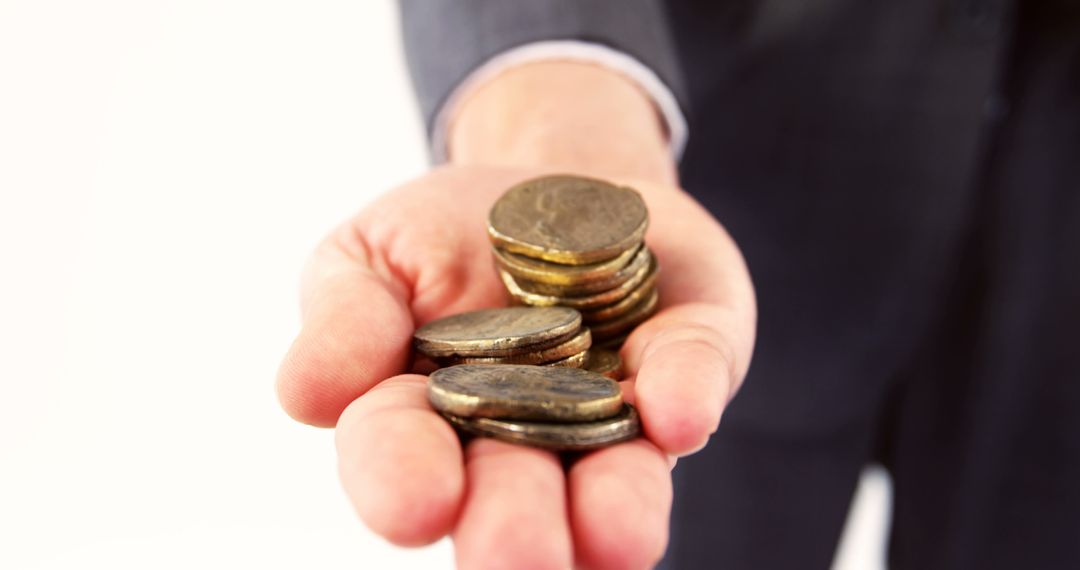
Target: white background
pixel 164 169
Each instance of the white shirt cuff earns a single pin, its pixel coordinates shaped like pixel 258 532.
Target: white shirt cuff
pixel 566 50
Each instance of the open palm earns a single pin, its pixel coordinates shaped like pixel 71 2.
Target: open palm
pixel 421 252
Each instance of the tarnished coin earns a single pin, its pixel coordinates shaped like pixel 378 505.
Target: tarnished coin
pixel 573 361
pixel 568 219
pixel 523 392
pixel 497 332
pixel 638 265
pixel 625 305
pixel 521 295
pixel 580 436
pixel 613 343
pixel 628 320
pixel 578 343
pixel 606 362
pixel 551 273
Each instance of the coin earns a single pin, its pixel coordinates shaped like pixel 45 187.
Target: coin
pixel 573 361
pixel 523 392
pixel 579 436
pixel 542 271
pixel 497 332
pixel 606 362
pixel 521 295
pixel 620 308
pixel 638 264
pixel 627 321
pixel 580 342
pixel 613 343
pixel 568 219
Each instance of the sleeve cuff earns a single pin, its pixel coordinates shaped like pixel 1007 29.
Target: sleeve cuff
pixel 566 50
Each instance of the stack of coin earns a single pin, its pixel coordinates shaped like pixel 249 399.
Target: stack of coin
pixel 548 336
pixel 577 242
pixel 563 409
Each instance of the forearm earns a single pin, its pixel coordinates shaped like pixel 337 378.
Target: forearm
pixel 562 116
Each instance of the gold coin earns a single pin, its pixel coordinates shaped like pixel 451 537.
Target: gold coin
pixel 497 332
pixel 581 436
pixel 568 219
pixel 606 362
pixel 638 264
pixel 573 361
pixel 542 271
pixel 577 343
pixel 625 323
pixel 621 308
pixel 521 295
pixel 613 343
pixel 523 392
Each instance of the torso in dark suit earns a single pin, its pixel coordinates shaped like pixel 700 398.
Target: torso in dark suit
pixel 904 180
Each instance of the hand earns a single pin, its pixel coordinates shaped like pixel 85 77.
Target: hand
pixel 421 252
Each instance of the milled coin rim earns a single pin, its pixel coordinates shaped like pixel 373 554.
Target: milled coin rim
pixel 614 372
pixel 573 361
pixel 496 405
pixel 541 271
pixel 546 435
pixel 594 256
pixel 569 257
pixel 584 302
pixel 612 343
pixel 629 320
pixel 640 262
pixel 497 346
pixel 621 307
pixel 577 343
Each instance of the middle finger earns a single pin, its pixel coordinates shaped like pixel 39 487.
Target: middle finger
pixel 515 509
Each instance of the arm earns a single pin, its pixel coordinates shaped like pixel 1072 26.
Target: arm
pixel 536 116
pixel 420 253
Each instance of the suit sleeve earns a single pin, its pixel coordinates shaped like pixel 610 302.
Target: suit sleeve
pixel 448 41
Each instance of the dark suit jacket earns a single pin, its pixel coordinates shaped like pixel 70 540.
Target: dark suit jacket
pixel 904 179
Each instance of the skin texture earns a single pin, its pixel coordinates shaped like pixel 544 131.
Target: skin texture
pixel 420 252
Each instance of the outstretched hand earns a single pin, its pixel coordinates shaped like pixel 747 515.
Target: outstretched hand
pixel 421 252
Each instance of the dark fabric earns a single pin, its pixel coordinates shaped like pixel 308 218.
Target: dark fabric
pixel 904 180
pixel 984 437
pixel 446 39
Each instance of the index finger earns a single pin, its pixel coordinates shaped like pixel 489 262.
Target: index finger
pixel 356 332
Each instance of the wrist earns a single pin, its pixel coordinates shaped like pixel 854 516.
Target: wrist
pixel 562 116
